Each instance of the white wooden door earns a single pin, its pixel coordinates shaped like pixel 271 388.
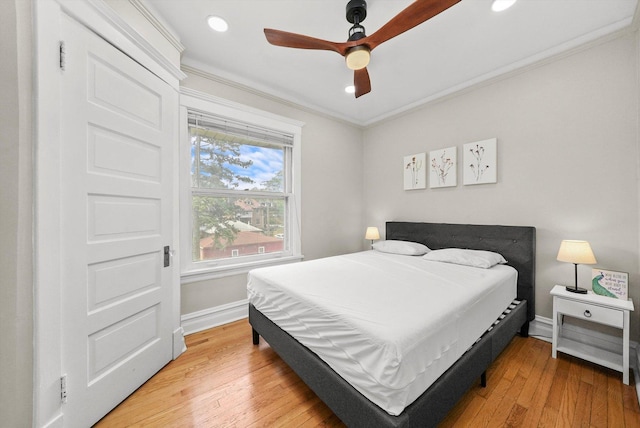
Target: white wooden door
pixel 117 122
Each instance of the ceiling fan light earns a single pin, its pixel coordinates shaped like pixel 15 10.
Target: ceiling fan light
pixel 500 5
pixel 358 57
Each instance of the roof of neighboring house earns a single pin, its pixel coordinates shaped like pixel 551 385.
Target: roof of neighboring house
pixel 247 204
pixel 239 226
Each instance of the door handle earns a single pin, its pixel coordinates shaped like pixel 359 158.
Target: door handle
pixel 167 256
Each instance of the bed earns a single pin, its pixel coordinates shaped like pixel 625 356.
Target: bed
pixel 357 408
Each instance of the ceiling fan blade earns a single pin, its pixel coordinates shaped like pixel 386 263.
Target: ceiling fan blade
pixel 415 14
pixel 293 40
pixel 362 82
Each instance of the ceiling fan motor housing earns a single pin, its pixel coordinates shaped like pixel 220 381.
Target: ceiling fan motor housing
pixel 356 11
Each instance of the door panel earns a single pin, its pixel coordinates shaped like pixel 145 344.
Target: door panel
pixel 116 206
pixel 107 284
pixel 116 155
pixel 114 217
pixel 113 89
pixel 120 341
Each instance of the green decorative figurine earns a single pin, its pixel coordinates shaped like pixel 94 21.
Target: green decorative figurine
pixel 599 289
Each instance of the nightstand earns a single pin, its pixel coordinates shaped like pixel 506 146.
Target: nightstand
pixel 594 308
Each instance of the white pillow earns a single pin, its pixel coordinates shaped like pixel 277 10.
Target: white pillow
pixel 475 258
pixel 401 247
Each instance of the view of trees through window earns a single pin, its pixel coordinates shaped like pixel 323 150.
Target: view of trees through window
pixel 239 198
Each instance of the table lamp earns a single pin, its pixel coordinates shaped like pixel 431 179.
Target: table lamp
pixel 576 252
pixel 372 234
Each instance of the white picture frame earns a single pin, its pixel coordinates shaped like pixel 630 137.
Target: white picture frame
pixel 610 283
pixel 443 167
pixel 480 161
pixel 414 170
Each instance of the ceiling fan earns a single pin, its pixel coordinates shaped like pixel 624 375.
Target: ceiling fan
pixel 357 49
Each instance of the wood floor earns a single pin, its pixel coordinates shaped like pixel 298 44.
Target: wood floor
pixel 222 380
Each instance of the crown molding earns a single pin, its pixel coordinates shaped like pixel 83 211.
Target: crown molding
pixel 146 11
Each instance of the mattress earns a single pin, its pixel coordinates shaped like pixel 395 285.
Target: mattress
pixel 388 324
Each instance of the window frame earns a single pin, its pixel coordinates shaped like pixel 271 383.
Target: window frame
pixel 190 271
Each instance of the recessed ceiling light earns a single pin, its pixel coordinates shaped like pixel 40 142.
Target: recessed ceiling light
pixel 500 5
pixel 218 24
pixel 350 89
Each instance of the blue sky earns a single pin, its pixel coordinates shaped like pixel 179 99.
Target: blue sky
pixel 266 163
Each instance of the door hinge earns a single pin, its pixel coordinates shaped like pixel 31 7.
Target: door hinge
pixel 62 55
pixel 63 388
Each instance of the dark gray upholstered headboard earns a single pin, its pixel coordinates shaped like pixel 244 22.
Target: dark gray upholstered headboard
pixel 516 243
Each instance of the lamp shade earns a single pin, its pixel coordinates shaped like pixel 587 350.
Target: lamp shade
pixel 372 233
pixel 578 252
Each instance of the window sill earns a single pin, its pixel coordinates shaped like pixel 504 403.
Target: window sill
pixel 236 269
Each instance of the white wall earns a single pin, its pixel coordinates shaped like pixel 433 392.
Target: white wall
pixel 332 187
pixel 16 279
pixel 567 161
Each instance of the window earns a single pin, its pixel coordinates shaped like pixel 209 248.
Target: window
pixel 239 199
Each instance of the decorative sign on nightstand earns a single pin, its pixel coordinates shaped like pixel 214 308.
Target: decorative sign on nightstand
pixel 610 283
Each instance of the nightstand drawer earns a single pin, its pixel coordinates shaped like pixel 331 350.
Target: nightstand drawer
pixel 590 312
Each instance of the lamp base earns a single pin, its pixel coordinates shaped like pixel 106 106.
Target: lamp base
pixel 577 290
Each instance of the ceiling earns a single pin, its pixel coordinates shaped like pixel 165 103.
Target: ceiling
pixel 464 45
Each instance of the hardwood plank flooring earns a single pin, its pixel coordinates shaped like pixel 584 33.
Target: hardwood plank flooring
pixel 223 380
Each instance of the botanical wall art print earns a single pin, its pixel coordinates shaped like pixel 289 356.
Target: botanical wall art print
pixel 443 167
pixel 415 176
pixel 610 283
pixel 480 162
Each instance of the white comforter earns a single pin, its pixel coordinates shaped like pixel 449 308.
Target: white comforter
pixel 388 324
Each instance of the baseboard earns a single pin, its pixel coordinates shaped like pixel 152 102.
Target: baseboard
pixel 542 328
pixel 213 317
pixel 178 342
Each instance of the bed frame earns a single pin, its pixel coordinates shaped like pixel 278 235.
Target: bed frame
pixel 517 244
